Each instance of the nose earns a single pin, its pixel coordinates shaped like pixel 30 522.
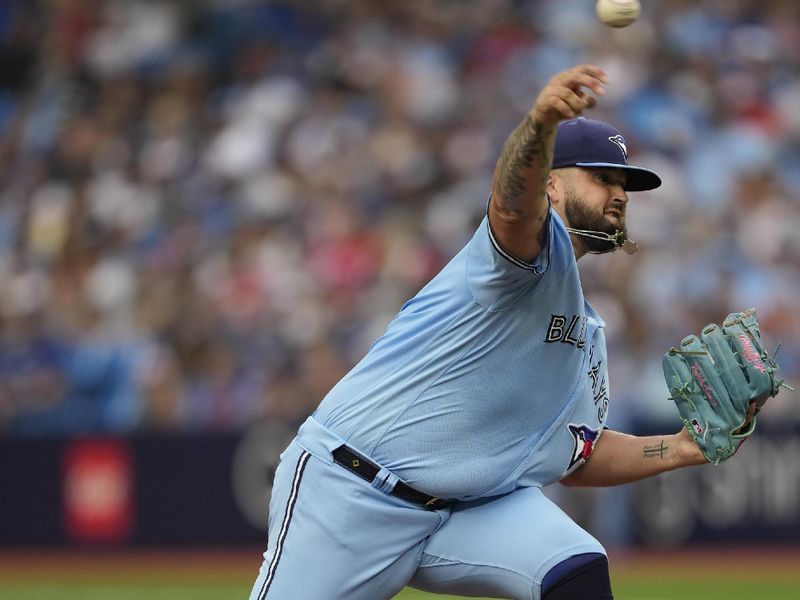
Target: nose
pixel 618 195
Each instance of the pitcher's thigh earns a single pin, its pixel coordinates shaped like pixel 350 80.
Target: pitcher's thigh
pixel 334 537
pixel 501 547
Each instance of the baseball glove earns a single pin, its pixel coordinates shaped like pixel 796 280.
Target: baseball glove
pixel 720 381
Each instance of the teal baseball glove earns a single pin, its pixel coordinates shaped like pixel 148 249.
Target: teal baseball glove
pixel 720 381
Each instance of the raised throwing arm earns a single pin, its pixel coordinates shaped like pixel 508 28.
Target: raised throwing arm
pixel 518 208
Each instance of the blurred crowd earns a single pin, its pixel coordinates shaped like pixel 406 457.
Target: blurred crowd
pixel 210 209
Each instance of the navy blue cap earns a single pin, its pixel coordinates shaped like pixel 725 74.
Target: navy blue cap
pixel 584 142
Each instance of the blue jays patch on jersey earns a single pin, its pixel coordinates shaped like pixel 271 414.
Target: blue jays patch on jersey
pixel 584 438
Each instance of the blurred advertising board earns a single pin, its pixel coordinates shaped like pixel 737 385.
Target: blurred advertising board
pixel 172 490
pixel 139 490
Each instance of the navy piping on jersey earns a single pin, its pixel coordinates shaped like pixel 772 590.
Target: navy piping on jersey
pixel 538 269
pixel 506 255
pixel 287 519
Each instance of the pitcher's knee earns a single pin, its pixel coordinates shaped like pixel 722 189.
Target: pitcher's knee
pixel 582 576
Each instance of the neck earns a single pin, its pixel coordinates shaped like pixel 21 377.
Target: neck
pixel 578 245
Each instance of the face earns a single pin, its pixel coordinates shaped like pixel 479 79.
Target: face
pixel 594 199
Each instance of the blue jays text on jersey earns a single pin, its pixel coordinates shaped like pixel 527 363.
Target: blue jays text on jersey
pixel 562 329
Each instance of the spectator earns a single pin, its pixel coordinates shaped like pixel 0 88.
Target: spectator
pixel 204 211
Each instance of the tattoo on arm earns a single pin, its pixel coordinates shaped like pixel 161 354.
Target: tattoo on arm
pixel 659 451
pixel 524 149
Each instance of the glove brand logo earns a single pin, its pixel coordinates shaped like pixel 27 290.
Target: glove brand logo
pixel 750 354
pixel 703 385
pixel 584 438
pixel 698 429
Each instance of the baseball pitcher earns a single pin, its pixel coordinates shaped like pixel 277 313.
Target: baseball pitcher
pixel 425 464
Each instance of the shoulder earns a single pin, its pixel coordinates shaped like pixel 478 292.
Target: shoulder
pixel 495 276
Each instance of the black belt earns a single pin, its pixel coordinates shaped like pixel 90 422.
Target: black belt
pixel 366 469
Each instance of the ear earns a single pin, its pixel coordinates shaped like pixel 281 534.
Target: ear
pixel 554 187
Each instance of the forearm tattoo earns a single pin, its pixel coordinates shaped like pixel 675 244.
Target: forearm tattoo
pixel 657 451
pixel 525 148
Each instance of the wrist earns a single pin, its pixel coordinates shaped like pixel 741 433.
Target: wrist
pixel 687 452
pixel 546 123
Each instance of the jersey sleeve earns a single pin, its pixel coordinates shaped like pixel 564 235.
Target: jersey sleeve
pixel 497 279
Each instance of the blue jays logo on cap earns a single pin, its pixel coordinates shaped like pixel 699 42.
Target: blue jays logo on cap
pixel 585 142
pixel 620 141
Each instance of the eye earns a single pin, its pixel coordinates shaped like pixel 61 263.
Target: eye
pixel 602 177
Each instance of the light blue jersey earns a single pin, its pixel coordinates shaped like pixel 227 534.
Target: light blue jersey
pixel 491 380
pixel 492 377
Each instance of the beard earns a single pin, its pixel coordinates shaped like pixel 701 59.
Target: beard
pixel 581 216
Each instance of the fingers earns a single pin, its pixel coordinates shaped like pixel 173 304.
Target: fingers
pixel 569 93
pixel 588 76
pixel 567 104
pixel 578 101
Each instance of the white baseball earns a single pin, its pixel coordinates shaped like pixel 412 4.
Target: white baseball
pixel 618 13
